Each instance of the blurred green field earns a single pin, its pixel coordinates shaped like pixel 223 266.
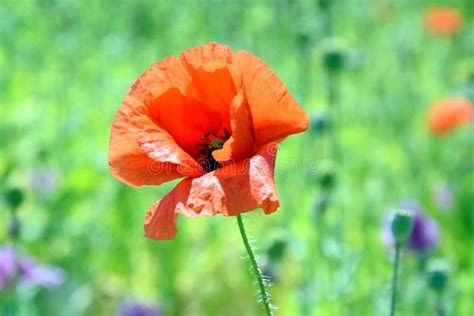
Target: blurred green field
pixel 65 66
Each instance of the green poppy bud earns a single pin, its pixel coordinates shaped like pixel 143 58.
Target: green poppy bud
pixel 319 123
pixel 334 58
pixel 14 197
pixel 327 175
pixel 437 274
pixel 276 248
pixel 402 225
pixel 324 4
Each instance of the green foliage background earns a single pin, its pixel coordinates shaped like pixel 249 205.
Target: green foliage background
pixel 65 66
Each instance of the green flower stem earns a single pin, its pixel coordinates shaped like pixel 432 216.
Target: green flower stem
pixel 440 311
pixel 256 269
pixel 396 264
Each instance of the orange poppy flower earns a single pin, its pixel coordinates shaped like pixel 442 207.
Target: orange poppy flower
pixel 447 114
pixel 212 116
pixel 443 20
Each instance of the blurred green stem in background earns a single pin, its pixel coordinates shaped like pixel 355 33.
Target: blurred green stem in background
pixel 258 274
pixel 439 309
pixel 395 278
pixel 402 226
pixel 14 198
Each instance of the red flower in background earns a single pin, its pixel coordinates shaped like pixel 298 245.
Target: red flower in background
pixel 212 116
pixel 443 20
pixel 447 114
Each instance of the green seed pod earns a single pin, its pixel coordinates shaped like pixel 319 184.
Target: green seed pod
pixel 437 274
pixel 14 197
pixel 324 4
pixel 333 60
pixel 327 175
pixel 333 55
pixel 276 248
pixel 402 225
pixel 319 123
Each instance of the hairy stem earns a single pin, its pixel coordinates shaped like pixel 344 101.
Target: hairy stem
pixel 256 269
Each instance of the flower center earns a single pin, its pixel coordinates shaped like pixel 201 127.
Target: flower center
pixel 208 143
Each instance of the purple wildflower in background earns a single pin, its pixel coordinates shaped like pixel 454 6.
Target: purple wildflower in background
pixel 33 274
pixel 132 308
pixel 443 197
pixel 425 234
pixel 44 180
pixel 30 273
pixel 7 265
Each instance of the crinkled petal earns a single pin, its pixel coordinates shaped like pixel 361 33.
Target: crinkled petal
pixel 160 221
pixel 240 144
pixel 196 100
pixel 214 77
pixel 141 152
pixel 210 56
pixel 275 113
pixel 186 119
pixel 230 190
pixel 161 146
pixel 212 80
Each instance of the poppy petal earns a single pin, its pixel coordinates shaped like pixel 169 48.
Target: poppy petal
pixel 450 113
pixel 160 220
pixel 211 80
pixel 161 146
pixel 185 118
pixel 230 190
pixel 275 113
pixel 240 144
pixel 129 163
pixel 140 152
pixel 443 20
pixel 201 100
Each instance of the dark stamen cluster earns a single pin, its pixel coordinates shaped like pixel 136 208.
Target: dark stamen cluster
pixel 210 142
